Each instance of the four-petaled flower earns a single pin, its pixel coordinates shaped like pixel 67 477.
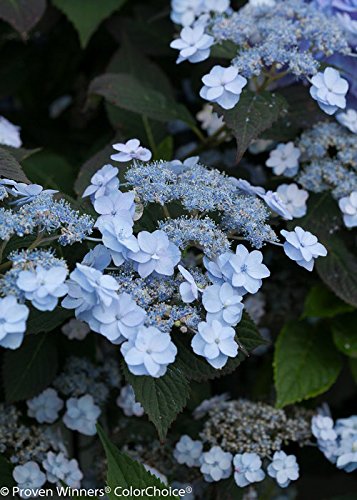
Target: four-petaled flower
pixel 284 159
pixel 247 469
pixel 223 86
pixel 131 150
pixel 103 182
pixel 194 44
pixel 156 253
pixel 303 247
pixel 188 451
pixel 348 207
pixel 43 287
pixel 13 318
pixel 294 199
pixel 329 90
pixel 149 352
pixel 120 320
pixel 223 303
pixel 45 407
pixel 283 468
pixel 243 269
pixel 81 415
pixel 216 464
pixel 215 342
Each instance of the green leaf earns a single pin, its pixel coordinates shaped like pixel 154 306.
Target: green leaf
pixel 345 334
pixel 306 363
pixel 165 149
pixel 10 167
pixel 41 322
pixel 302 114
pixel 196 367
pixel 127 92
pixel 322 303
pixel 253 114
pixel 338 270
pixel 124 472
pixel 29 369
pixel 6 469
pixel 131 61
pixel 50 171
pixel 22 15
pixel 162 398
pixel 87 15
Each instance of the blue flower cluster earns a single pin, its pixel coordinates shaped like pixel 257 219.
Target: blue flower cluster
pixel 207 191
pixel 135 286
pixel 272 39
pixel 34 209
pixel 291 35
pixel 329 160
pixel 337 440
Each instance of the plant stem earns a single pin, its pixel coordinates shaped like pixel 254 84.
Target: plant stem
pixel 149 134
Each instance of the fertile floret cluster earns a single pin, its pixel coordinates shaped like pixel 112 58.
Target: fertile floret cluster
pixel 328 160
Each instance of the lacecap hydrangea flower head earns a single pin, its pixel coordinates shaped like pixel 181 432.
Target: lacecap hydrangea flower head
pixel 138 286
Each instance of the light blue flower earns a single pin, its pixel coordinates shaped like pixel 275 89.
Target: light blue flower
pixel 131 150
pixel 348 207
pixel 277 205
pixel 127 402
pixel 29 476
pixel 13 318
pixel 82 415
pixel 293 198
pixel 116 202
pixel 9 133
pixel 178 166
pixel 347 453
pixel 88 288
pixel 246 187
pixel 188 289
pixel 28 192
pixel 45 407
pixel 247 469
pixel 188 451
pixel 156 254
pixel 216 464
pixel 346 426
pixel 103 182
pixel 99 258
pixel 283 468
pixel 117 236
pixel 284 159
pixel 120 320
pixel 322 428
pixel 223 86
pixel 184 12
pixel 215 342
pixel 348 118
pixel 194 44
pixel 329 90
pixel 60 469
pixel 43 287
pixel 303 247
pixel 223 303
pixel 243 269
pixel 149 352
